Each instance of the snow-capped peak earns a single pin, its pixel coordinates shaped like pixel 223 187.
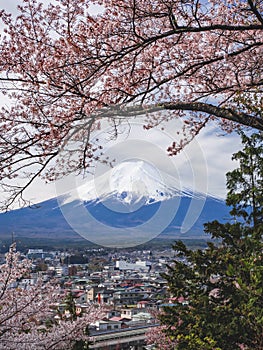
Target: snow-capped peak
pixel 130 182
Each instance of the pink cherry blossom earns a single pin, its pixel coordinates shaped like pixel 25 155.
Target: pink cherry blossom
pixel 66 71
pixel 27 313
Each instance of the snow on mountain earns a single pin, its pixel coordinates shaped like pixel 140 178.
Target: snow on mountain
pixel 128 205
pixel 131 182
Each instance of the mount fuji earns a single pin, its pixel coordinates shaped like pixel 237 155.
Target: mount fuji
pixel 130 182
pixel 128 205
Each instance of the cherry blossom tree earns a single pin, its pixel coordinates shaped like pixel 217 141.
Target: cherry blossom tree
pixel 66 71
pixel 26 316
pixel 157 338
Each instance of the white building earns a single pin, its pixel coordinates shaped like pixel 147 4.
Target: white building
pixel 137 266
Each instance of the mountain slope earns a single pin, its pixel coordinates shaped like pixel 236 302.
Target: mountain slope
pixel 48 222
pixel 128 206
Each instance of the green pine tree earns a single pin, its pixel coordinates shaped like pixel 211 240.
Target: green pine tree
pixel 71 306
pixel 223 284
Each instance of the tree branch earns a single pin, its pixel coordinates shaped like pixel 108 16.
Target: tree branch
pixel 220 112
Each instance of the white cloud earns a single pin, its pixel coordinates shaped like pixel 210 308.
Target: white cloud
pixel 201 166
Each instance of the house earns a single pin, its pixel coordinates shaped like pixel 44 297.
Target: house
pixel 106 325
pixel 92 292
pixel 113 313
pixel 82 309
pixel 129 312
pixel 80 297
pixel 126 297
pixel 142 317
pixel 143 304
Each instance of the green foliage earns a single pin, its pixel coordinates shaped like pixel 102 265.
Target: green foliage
pixel 245 183
pixel 71 306
pixel 223 284
pixel 81 345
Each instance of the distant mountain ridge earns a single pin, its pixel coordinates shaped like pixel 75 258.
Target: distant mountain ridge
pixel 128 206
pixel 47 221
